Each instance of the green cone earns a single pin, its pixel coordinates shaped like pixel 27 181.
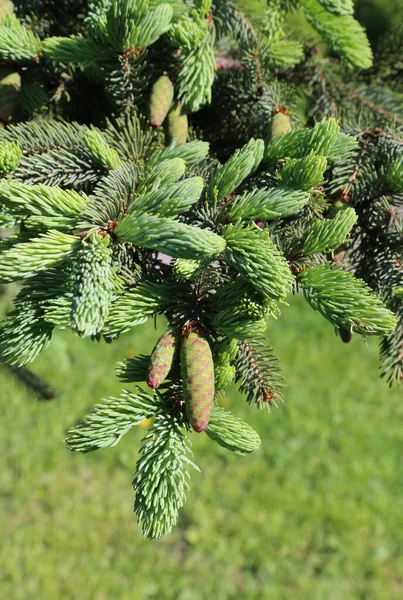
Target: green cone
pixel 10 86
pixel 177 125
pixel 198 378
pixel 162 94
pixel 281 123
pixel 162 358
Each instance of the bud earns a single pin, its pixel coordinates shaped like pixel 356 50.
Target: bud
pixel 162 358
pixel 345 334
pixel 198 378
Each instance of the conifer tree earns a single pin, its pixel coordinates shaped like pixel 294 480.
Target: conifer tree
pixel 260 162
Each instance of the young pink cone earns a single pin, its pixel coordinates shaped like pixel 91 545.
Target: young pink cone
pixel 198 379
pixel 161 98
pixel 162 358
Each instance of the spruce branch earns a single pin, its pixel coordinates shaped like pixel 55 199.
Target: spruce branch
pixel 345 301
pixel 110 421
pixel 161 477
pixel 26 259
pixel 18 43
pixel 259 374
pixel 169 236
pixel 258 260
pixel 268 203
pixel 329 234
pixel 232 433
pixel 95 285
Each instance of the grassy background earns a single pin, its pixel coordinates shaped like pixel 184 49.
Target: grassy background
pixel 314 514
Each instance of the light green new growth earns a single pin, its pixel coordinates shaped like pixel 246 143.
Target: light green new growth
pixel 24 334
pixel 345 301
pixel 303 173
pixel 286 52
pixel 161 477
pixel 171 237
pixel 168 200
pixel 133 369
pixel 328 234
pixel 395 175
pixel 232 433
pixel 196 77
pixel 136 307
pixel 95 283
pixel 268 203
pixel 338 7
pixel 10 157
pixel 165 172
pixel 24 260
pixel 102 154
pixel 18 43
pixel 237 168
pixel 191 152
pixel 258 260
pixel 341 31
pixel 130 25
pixel 76 50
pixel 110 421
pixel 43 206
pixel 300 143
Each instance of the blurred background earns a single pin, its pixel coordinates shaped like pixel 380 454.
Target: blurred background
pixel 314 514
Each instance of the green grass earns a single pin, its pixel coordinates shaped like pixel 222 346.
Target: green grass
pixel 314 514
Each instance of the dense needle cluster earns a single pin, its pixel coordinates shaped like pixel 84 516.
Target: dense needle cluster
pixel 176 159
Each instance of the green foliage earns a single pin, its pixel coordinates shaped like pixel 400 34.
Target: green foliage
pixel 109 422
pixel 161 477
pixel 301 157
pixel 95 284
pixel 329 234
pixel 340 30
pixel 346 302
pixel 169 236
pixel 241 164
pixel 42 206
pixel 192 152
pixel 268 203
pixel 303 173
pixel 259 261
pixel 101 153
pixel 136 307
pixel 10 157
pixel 16 42
pixel 129 24
pixel 196 76
pixel 232 433
pixel 26 259
pixel 395 175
